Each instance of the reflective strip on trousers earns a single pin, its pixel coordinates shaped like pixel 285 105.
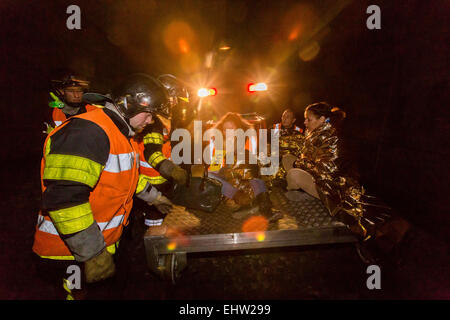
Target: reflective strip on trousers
pixel 151 223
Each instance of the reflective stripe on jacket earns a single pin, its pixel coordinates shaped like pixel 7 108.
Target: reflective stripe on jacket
pixel 110 201
pixel 146 170
pixel 147 167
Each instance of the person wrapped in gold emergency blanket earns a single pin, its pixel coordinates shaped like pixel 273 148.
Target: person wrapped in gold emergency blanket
pixel 322 172
pixel 291 139
pixel 241 183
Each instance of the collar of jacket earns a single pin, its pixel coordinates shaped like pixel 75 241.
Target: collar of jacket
pixel 118 120
pixel 326 126
pixel 69 110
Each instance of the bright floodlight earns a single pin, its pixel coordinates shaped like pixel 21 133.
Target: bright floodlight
pixel 260 86
pixel 204 92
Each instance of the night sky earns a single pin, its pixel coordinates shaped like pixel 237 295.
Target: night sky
pixel 392 82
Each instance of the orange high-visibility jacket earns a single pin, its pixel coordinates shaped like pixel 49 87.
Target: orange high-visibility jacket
pixel 59 117
pixel 147 166
pixel 111 199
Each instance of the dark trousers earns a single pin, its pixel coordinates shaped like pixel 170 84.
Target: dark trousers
pixel 53 273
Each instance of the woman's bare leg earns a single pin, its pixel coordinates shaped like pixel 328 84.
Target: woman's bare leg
pixel 300 179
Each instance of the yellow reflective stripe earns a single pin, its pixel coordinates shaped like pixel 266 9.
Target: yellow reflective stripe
pixel 143 179
pixel 184 99
pixel 157 180
pixel 58 257
pixel 111 249
pixel 153 180
pixel 73 219
pixel 156 158
pixel 72 168
pixel 154 137
pixel 142 182
pixel 66 287
pixel 47 146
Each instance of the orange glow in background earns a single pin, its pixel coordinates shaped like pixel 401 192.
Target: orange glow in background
pixel 177 238
pixel 179 38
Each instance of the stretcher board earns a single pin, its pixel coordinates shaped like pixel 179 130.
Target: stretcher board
pixel 304 223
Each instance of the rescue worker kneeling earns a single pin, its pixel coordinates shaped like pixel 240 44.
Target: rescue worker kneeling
pixel 89 174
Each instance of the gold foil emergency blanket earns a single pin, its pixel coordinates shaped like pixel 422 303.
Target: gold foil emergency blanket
pixel 341 194
pixel 290 142
pixel 239 176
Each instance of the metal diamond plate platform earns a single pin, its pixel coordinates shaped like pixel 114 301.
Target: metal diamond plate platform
pixel 304 222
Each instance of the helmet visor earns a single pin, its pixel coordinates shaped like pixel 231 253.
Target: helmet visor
pixel 141 102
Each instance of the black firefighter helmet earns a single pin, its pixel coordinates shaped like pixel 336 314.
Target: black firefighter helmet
pixel 141 93
pixel 67 81
pixel 182 112
pixel 70 80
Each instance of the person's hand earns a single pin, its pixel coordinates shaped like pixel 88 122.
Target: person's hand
pixel 99 267
pixel 179 175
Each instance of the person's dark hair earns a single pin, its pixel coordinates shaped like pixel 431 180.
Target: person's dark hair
pixel 234 117
pixel 319 109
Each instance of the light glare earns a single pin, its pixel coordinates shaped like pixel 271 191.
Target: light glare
pixel 260 86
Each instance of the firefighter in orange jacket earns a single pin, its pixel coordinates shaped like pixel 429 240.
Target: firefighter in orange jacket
pixel 67 100
pixel 89 174
pixel 155 152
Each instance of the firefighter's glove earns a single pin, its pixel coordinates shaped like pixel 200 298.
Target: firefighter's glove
pixel 56 103
pixel 48 128
pixel 163 204
pixel 99 267
pixel 170 170
pixel 179 175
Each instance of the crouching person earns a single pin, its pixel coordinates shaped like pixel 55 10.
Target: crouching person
pixel 89 174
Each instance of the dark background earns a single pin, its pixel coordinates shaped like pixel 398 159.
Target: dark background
pixel 393 82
